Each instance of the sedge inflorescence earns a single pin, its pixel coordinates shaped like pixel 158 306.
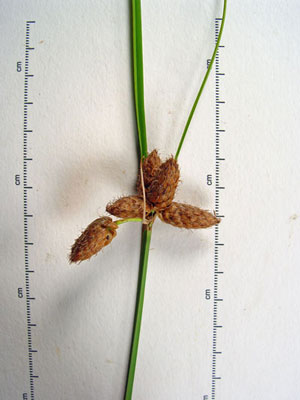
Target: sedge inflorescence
pixel 156 186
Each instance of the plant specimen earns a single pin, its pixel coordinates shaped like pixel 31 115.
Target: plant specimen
pixel 156 187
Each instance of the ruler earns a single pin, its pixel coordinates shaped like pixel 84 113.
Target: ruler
pixel 27 133
pixel 219 133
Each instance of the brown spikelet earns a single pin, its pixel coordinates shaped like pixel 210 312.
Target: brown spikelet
pixel 150 166
pixel 96 236
pixel 163 187
pixel 128 207
pixel 186 216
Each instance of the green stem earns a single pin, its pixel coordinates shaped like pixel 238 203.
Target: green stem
pixel 123 221
pixel 146 238
pixel 203 82
pixel 138 75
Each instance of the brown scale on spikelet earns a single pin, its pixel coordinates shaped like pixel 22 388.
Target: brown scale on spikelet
pixel 162 189
pixel 96 236
pixel 128 207
pixel 150 166
pixel 186 216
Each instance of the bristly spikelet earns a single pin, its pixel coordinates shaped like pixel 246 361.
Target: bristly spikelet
pixel 160 184
pixel 150 166
pixel 96 236
pixel 163 187
pixel 189 217
pixel 128 207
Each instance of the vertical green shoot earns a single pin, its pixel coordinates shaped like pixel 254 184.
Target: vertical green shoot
pixel 146 237
pixel 146 230
pixel 139 75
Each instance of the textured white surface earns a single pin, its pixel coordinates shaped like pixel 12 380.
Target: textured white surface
pixel 84 155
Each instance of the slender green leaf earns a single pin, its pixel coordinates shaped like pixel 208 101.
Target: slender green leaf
pixel 203 82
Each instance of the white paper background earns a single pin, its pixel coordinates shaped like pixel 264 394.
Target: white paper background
pixel 84 155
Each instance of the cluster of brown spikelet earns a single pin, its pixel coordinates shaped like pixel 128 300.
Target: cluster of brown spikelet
pixel 156 189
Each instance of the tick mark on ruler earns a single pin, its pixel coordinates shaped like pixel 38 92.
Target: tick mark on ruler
pixel 26 187
pixel 219 76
